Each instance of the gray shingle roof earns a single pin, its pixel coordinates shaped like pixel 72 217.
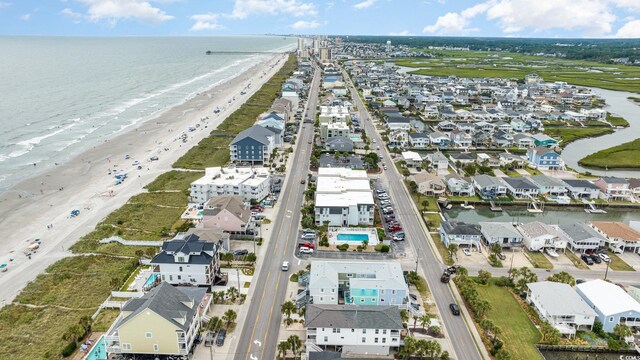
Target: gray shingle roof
pixel 353 316
pixel 189 245
pixel 519 183
pixel 580 231
pixel 580 183
pixel 255 132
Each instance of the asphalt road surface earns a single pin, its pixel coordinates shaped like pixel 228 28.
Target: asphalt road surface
pixel 259 337
pixel 454 326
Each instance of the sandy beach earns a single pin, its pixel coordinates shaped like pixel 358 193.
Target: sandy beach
pixel 40 207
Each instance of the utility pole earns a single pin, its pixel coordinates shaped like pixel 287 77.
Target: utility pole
pixel 513 254
pixel 417 259
pixel 238 274
pixel 606 272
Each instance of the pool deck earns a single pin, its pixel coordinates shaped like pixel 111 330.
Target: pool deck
pixel 79 355
pixel 372 233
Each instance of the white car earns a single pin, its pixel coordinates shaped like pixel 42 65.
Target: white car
pixel 306 250
pixel 605 257
pixel 466 252
pixel 285 266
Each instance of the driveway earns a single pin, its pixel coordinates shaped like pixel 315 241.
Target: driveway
pixel 632 259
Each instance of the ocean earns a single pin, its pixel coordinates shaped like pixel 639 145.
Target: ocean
pixel 64 95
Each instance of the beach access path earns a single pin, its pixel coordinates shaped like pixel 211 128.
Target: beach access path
pixel 38 208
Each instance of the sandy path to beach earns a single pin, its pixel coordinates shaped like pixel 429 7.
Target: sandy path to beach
pixel 31 206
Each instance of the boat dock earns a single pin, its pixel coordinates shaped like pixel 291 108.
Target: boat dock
pixel 494 207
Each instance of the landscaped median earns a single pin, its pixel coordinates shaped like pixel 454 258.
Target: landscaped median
pixel 626 155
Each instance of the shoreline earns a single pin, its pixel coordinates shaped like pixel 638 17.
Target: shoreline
pixel 83 182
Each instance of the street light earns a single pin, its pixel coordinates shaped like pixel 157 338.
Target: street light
pixel 417 259
pixel 607 271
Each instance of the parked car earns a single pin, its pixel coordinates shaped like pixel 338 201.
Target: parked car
pixel 220 338
pixel 413 297
pixel 241 252
pixel 501 256
pixel 580 281
pixel 307 244
pixel 306 250
pixel 455 310
pixel 398 238
pixel 308 236
pixel 587 259
pixel 596 259
pixel 395 228
pixel 285 266
pixel 466 251
pixel 308 231
pixel 604 257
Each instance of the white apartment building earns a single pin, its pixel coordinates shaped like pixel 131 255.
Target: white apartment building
pixel 333 130
pixel 330 114
pixel 343 197
pixel 357 329
pixel 250 183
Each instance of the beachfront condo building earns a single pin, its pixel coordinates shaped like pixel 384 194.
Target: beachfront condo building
pixel 164 321
pixel 252 183
pixel 253 145
pixel 343 197
pixel 357 283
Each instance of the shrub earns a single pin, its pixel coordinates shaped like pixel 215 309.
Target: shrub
pixel 502 281
pixel 251 257
pixel 343 247
pixel 69 349
pixel 384 248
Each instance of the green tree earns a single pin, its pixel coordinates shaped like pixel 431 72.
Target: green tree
pixel 550 335
pixel 424 320
pixel 503 354
pixel 483 277
pixel 73 333
pixel 496 248
pixel 562 277
pixel 287 308
pixel 232 294
pixel 480 307
pixel 622 331
pixel 214 324
pixel 296 345
pixel 425 205
pixel 150 252
pixel 229 317
pixel 413 186
pixel 404 315
pixel 453 250
pixel 283 347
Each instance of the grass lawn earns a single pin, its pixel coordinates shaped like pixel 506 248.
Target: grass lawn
pixel 576 260
pixel 568 135
pixel 174 180
pixel 617 120
pixel 518 331
pixel 442 249
pixel 626 155
pixel 105 318
pixel 538 260
pixel 618 264
pixel 210 151
pixel 511 173
pixel 433 221
pixel 464 198
pixel 532 171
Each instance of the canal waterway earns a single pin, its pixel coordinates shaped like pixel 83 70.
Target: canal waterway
pixel 553 217
pixel 618 104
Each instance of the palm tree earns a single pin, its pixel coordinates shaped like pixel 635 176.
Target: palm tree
pixel 425 205
pixel 404 316
pixel 229 317
pixel 415 321
pixel 481 307
pixel 73 333
pixel 283 347
pixel 452 249
pixel 424 320
pixel 288 308
pixel 296 344
pixel 232 293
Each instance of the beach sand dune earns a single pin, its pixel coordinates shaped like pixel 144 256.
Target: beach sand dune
pixel 40 207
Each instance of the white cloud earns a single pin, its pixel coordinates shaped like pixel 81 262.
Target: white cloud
pixel 629 30
pixel 305 25
pixel 71 14
pixel 4 4
pixel 244 8
pixel 207 21
pixel 25 17
pixel 401 33
pixel 114 10
pixel 363 5
pixel 450 24
pixel 632 5
pixel 592 17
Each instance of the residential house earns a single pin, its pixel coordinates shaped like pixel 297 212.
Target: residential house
pixel 461 139
pixel 357 330
pixel 582 189
pixel 582 237
pixel 357 283
pixel 634 187
pixel 460 233
pixel 523 141
pixel 544 158
pixel 559 305
pixel 252 183
pixel 438 161
pixel 459 186
pixel 164 321
pixel 521 187
pixel 398 138
pixel 539 236
pixel 254 144
pixel 507 159
pixel 503 233
pixel 343 197
pixel 619 236
pixel 613 188
pixel 489 187
pixel 439 139
pixel 543 140
pixel 611 303
pixel 418 140
pixel 549 185
pixel 429 184
pixel 502 139
pixel 228 213
pixel 463 157
pixel 188 261
pixel 412 158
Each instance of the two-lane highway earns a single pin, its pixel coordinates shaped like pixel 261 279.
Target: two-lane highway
pixel 259 337
pixel 465 347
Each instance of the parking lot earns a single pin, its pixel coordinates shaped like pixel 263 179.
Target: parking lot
pixel 391 225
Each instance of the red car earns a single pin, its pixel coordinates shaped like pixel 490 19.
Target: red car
pixel 307 244
pixel 395 228
pixel 257 208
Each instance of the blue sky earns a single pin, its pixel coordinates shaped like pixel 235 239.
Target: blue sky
pixel 518 18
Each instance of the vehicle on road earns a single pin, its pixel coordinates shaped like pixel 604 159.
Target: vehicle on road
pixel 604 257
pixel 455 310
pixel 306 250
pixel 153 158
pixel 466 252
pixel 285 266
pixel 445 278
pixel 303 181
pixel 587 259
pixel 220 338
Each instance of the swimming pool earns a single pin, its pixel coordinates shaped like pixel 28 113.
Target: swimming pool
pixel 151 280
pixel 352 237
pixel 98 351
